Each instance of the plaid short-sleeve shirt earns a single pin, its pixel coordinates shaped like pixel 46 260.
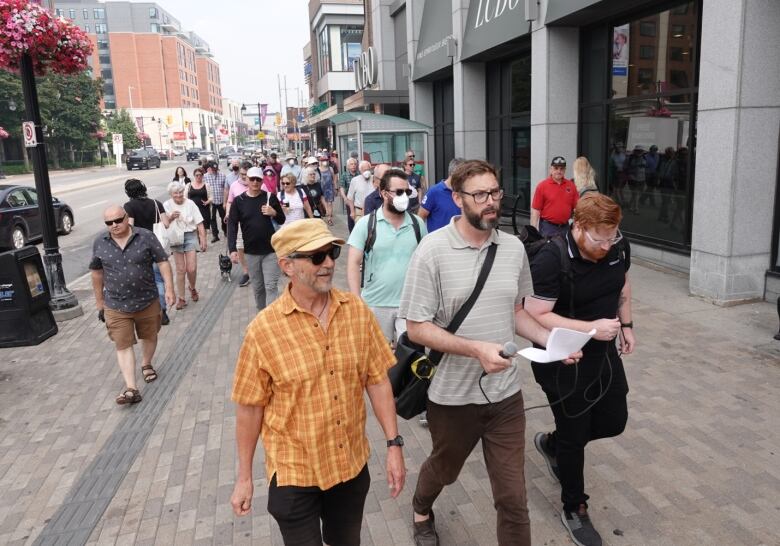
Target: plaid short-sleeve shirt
pixel 311 385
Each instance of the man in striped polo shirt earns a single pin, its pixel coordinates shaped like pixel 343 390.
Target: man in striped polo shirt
pixel 463 406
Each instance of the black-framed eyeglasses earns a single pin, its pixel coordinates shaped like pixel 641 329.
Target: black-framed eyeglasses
pixel 115 221
pixel 318 257
pixel 400 191
pixel 482 196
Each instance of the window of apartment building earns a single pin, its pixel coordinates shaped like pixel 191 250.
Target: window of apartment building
pixel 86 29
pixel 323 55
pixel 351 36
pixel 152 13
pixel 154 27
pixel 106 74
pixel 58 12
pixel 99 13
pixel 647 28
pixel 108 89
pixel 100 28
pixel 646 52
pixel 71 13
pixel 85 13
pixel 104 59
pixel 102 44
pixel 628 99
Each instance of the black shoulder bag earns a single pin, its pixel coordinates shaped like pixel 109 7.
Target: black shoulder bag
pixel 411 376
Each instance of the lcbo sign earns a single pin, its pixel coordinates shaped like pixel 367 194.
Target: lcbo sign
pixel 365 69
pixel 490 10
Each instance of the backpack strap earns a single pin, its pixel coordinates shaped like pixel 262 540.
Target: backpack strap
pixel 370 240
pixel 416 226
pixel 566 272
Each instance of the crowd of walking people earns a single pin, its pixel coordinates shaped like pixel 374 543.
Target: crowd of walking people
pixel 414 252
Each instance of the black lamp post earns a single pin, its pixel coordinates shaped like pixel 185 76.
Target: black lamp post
pixel 63 303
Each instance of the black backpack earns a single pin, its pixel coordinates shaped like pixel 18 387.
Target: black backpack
pixel 371 239
pixel 533 241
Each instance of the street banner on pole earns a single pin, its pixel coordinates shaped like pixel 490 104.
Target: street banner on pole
pixel 263 112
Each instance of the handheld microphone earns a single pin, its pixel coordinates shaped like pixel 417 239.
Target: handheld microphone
pixel 508 351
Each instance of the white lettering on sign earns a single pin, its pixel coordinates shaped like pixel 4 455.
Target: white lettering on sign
pixel 30 138
pixel 365 69
pixel 489 14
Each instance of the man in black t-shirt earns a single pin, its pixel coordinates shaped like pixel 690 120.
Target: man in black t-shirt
pixel 141 213
pixel 313 189
pixel 588 400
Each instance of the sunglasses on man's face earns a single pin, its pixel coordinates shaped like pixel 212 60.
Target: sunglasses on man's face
pixel 399 192
pixel 255 179
pixel 319 257
pixel 115 221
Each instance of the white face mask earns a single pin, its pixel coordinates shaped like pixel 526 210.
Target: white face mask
pixel 367 175
pixel 401 202
pixel 291 162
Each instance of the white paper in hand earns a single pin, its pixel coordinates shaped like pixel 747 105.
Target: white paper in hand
pixel 561 343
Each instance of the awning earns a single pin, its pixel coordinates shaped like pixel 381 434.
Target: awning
pixel 370 122
pixel 375 96
pixel 435 32
pixel 491 23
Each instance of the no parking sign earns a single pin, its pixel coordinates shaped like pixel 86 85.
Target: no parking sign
pixel 30 138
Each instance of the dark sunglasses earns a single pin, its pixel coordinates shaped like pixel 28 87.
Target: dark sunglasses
pixel 399 192
pixel 115 221
pixel 255 179
pixel 318 257
pixel 286 183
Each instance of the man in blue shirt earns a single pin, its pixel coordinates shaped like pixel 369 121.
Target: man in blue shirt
pixel 438 207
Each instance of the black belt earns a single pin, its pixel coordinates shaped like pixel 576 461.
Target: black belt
pixel 554 224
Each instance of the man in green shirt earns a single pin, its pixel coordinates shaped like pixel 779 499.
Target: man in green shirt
pixel 386 261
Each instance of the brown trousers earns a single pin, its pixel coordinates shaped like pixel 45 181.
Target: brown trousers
pixel 455 431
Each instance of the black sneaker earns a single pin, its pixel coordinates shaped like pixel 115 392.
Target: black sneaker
pixel 165 321
pixel 580 528
pixel 215 239
pixel 425 532
pixel 244 280
pixel 540 441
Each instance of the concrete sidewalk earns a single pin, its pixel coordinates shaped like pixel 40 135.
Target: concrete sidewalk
pixel 698 463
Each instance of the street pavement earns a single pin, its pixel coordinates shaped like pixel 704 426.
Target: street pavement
pixel 697 464
pixel 88 192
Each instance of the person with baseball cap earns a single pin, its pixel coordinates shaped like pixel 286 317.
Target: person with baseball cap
pixel 302 387
pixel 251 215
pixel 554 200
pixel 291 166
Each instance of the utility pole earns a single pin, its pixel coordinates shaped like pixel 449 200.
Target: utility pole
pixel 284 137
pixel 287 121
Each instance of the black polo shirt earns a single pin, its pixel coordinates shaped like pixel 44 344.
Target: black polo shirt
pixel 128 277
pixel 597 285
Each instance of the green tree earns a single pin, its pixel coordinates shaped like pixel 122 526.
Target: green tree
pixel 70 112
pixel 11 103
pixel 123 123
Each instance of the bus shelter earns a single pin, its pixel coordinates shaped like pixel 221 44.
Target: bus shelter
pixel 379 138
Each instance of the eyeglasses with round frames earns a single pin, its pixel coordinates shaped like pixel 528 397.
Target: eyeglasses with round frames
pixel 482 196
pixel 602 242
pixel 318 258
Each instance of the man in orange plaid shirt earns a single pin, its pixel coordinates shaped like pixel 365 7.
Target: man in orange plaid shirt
pixel 299 381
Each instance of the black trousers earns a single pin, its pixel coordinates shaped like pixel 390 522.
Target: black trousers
pixel 575 424
pixel 215 210
pixel 298 511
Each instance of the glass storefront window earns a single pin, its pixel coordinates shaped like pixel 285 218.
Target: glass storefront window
pixel 351 37
pixel 509 128
pixel 639 133
pixel 655 53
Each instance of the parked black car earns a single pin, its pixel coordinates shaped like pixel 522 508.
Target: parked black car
pixel 20 219
pixel 193 153
pixel 143 158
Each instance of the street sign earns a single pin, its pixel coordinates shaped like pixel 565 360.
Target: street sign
pixel 30 138
pixel 117 139
pixel 261 135
pixel 119 147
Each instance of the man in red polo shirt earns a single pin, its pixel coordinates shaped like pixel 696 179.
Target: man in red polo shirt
pixel 554 200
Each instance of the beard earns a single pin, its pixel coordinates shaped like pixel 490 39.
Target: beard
pixel 477 220
pixel 321 285
pixel 587 253
pixel 394 210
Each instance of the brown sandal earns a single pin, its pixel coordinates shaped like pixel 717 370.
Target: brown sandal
pixel 181 304
pixel 151 376
pixel 128 396
pixel 194 294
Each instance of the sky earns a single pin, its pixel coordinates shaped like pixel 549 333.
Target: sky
pixel 253 41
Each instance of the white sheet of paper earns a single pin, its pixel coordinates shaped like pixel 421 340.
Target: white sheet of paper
pixel 561 343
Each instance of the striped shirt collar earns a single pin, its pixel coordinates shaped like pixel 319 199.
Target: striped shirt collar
pixel 457 241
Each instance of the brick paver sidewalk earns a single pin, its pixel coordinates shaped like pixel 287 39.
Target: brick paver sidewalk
pixel 698 463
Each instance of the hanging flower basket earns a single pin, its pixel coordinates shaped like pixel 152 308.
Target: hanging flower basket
pixel 3 134
pixel 53 43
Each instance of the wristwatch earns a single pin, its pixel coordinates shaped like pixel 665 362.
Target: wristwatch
pixel 627 324
pixel 397 441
